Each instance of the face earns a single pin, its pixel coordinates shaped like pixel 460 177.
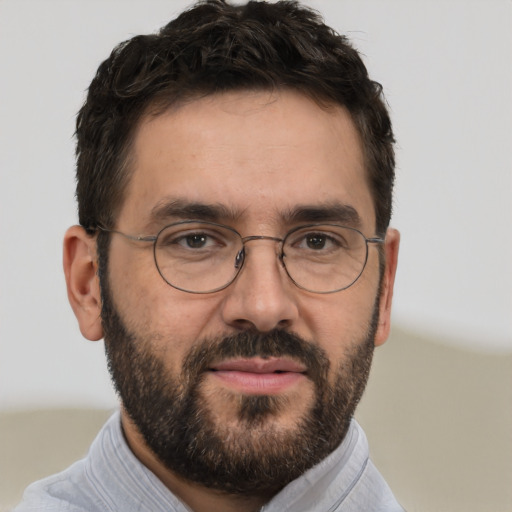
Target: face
pixel 259 374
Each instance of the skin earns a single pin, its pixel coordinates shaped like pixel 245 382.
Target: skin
pixel 260 155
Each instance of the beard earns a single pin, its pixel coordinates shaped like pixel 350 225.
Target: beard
pixel 255 455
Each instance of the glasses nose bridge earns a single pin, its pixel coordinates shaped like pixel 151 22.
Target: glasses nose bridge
pixel 240 257
pixel 246 239
pixel 253 238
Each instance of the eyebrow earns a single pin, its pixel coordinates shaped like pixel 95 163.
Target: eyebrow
pixel 179 209
pixel 169 210
pixel 330 212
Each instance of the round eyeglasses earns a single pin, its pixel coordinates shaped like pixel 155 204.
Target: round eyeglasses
pixel 206 257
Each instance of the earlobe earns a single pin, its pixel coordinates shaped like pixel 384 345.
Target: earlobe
pixel 82 282
pixel 388 281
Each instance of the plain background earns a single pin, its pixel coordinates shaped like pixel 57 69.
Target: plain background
pixel 446 68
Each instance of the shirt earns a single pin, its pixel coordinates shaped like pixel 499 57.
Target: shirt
pixel 111 479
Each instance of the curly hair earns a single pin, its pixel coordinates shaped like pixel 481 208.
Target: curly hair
pixel 216 47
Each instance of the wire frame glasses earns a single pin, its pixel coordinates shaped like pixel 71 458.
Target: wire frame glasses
pixel 206 257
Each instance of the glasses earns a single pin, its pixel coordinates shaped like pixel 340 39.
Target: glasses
pixel 206 257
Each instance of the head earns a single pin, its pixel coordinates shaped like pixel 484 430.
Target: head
pixel 213 48
pixel 261 118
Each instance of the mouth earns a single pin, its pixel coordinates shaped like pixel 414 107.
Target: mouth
pixel 258 376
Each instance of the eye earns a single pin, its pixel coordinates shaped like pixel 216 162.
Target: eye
pixel 194 240
pixel 317 242
pixel 329 241
pixel 178 239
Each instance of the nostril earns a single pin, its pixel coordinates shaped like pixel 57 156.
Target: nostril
pixel 283 324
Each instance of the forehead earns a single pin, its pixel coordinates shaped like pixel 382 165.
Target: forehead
pixel 255 155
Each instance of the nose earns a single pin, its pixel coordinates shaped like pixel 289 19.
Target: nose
pixel 262 296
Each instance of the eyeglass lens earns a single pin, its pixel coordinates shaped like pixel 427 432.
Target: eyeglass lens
pixel 205 257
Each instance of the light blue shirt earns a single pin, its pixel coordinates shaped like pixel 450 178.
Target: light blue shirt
pixel 111 479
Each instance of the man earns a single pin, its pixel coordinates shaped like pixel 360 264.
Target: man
pixel 234 175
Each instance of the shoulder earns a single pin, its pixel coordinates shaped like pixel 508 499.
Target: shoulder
pixel 77 488
pixel 64 492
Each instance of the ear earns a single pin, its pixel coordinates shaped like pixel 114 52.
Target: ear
pixel 80 270
pixel 388 281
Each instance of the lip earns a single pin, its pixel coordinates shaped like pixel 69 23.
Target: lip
pixel 258 376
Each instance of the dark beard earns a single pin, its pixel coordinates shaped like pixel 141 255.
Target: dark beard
pixel 258 458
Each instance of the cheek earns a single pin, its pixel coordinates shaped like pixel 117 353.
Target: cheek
pixel 340 322
pixel 169 320
pixel 133 284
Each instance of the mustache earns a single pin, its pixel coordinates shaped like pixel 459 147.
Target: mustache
pixel 249 343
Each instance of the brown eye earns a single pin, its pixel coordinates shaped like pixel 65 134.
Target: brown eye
pixel 195 241
pixel 316 241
